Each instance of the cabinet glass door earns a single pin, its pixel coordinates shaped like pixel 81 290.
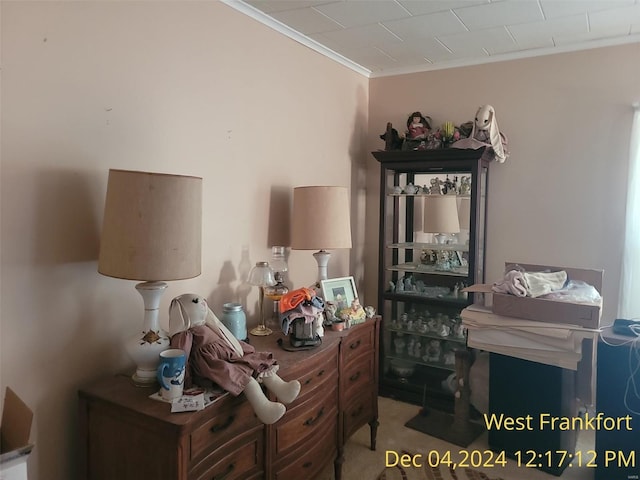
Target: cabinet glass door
pixel 432 246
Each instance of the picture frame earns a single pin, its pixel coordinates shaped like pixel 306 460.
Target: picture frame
pixel 341 291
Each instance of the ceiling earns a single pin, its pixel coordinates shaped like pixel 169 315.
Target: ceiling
pixel 391 37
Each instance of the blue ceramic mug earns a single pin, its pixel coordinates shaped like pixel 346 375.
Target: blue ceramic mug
pixel 171 373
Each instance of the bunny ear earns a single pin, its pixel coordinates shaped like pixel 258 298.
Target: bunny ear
pixel 178 320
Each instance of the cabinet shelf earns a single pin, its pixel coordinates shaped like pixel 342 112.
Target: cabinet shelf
pixel 451 247
pixel 432 274
pixel 419 361
pixel 434 335
pixel 440 300
pixel 430 269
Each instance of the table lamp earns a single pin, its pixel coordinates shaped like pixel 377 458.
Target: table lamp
pixel 152 233
pixel 261 276
pixel 320 222
pixel 441 216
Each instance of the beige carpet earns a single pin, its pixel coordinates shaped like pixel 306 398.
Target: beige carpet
pixel 361 463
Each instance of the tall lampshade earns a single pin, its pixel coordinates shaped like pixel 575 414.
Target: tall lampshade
pixel 320 221
pixel 151 232
pixel 440 216
pixel 261 276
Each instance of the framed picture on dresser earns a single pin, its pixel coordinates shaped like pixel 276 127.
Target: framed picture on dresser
pixel 341 291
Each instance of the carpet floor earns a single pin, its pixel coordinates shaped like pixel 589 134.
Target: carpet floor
pixel 393 438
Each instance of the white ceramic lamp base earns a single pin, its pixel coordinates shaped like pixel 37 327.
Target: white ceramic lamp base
pixel 145 347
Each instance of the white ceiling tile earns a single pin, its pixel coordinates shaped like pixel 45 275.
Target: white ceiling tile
pixel 476 41
pixel 413 52
pixel 356 13
pixel 506 12
pixel 271 6
pixel 528 34
pixel 422 7
pixel 617 16
pixel 564 8
pixel 357 37
pixel 306 20
pixel 602 33
pixel 426 26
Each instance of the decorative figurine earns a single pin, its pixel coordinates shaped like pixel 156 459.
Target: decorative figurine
pixel 392 140
pixel 485 132
pixel 465 185
pixel 435 186
pixel 410 189
pixel 215 355
pixel 418 128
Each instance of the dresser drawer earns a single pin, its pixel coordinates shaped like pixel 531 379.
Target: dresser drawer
pixel 358 411
pixel 319 378
pixel 360 341
pixel 222 427
pixel 240 459
pixel 308 461
pixel 305 420
pixel 358 376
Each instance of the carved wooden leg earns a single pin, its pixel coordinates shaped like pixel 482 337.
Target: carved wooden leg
pixel 337 464
pixel 373 425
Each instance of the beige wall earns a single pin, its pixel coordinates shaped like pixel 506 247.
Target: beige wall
pixel 559 198
pixel 185 87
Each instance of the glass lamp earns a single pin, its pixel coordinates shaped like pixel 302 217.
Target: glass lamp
pixel 151 232
pixel 320 222
pixel 275 292
pixel 261 276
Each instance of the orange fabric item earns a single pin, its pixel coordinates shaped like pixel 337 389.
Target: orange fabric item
pixel 291 300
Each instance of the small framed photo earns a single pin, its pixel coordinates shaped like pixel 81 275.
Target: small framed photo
pixel 341 291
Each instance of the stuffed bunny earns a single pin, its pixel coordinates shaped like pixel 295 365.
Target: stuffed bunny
pixel 485 132
pixel 214 354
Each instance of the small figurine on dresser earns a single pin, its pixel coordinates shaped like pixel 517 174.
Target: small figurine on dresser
pixel 215 355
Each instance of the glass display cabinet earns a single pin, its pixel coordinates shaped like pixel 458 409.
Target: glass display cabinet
pixel 432 240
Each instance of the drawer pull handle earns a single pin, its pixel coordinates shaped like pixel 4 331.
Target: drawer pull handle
pixel 216 428
pixel 309 380
pixel 355 345
pixel 354 377
pixel 226 473
pixel 310 421
pixel 307 464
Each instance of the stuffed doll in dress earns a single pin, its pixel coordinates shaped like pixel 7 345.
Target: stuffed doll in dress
pixel 215 355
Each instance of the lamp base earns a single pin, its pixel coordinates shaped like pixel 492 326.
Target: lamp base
pixel 261 331
pixel 145 347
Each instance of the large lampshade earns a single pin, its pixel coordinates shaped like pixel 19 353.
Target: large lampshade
pixel 320 221
pixel 151 232
pixel 440 215
pixel 152 226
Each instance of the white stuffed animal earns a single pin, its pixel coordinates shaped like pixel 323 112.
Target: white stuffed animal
pixel 485 132
pixel 214 354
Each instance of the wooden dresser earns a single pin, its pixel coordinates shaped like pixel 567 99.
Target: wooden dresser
pixel 126 435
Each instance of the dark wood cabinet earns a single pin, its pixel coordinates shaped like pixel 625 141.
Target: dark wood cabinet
pixel 421 276
pixel 126 435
